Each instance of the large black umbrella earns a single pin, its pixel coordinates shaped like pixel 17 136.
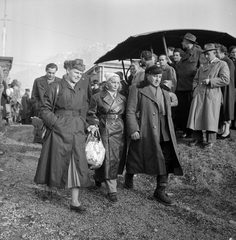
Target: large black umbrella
pixel 158 41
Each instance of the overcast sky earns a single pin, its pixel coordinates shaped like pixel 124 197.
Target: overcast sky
pixel 38 29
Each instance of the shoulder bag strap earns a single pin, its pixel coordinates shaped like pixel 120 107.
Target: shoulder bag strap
pixel 55 99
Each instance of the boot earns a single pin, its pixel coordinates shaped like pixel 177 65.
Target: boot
pixel 161 196
pixel 129 183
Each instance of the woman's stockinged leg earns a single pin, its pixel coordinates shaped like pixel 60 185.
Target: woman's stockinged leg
pixel 75 196
pixel 227 128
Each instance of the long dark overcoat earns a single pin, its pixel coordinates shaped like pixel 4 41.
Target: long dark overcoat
pixel 25 103
pixel 227 109
pixel 67 137
pixel 112 132
pixel 40 87
pixel 4 100
pixel 145 155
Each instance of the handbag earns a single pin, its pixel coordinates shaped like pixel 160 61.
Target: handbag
pixel 41 130
pixel 94 151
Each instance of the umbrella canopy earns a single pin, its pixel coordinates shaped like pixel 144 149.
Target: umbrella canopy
pixel 157 42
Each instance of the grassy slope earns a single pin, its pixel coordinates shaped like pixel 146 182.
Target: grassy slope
pixel 205 198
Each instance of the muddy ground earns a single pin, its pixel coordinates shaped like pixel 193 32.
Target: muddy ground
pixel 205 199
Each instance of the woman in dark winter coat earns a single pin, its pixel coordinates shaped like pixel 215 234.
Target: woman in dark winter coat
pixel 232 55
pixel 153 147
pixel 107 110
pixel 228 92
pixel 62 161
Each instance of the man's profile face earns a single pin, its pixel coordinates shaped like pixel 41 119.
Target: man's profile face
pixel 50 73
pixel 219 54
pixel 184 44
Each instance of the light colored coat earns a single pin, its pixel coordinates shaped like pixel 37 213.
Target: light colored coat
pixel 207 100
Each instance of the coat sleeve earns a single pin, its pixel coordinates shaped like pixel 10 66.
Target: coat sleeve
pixel 92 118
pixel 223 77
pixel 35 93
pixel 196 80
pixel 133 106
pixel 1 82
pixel 174 100
pixel 49 118
pixel 173 78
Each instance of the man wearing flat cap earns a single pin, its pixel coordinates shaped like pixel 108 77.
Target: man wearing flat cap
pixel 207 97
pixel 186 71
pixel 153 147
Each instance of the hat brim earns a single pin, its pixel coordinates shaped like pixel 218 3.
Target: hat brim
pixel 190 40
pixel 210 49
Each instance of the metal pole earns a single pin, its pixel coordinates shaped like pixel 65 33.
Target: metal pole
pixel 123 66
pixel 164 43
pixel 4 31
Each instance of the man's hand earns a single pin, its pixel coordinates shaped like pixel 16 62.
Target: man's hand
pixel 205 81
pixel 135 136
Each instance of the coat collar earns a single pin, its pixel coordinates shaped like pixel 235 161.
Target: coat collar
pixel 149 93
pixel 107 98
pixel 43 81
pixel 65 84
pixel 207 66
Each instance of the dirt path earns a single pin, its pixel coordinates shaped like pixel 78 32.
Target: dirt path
pixel 24 214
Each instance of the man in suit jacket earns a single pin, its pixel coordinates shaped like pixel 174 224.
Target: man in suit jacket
pixel 41 85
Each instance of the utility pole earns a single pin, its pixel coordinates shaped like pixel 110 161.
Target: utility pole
pixel 4 31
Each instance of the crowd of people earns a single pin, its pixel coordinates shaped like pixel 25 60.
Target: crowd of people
pixel 15 108
pixel 191 91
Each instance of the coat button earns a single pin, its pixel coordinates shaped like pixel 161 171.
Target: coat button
pixel 154 127
pixel 153 113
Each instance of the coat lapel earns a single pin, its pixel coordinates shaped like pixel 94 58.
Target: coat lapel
pixel 44 83
pixel 148 93
pixel 107 98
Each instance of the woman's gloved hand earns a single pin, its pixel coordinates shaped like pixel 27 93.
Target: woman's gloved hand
pixel 92 129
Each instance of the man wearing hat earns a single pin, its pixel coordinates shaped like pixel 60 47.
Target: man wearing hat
pixel 186 71
pixel 153 147
pixel 207 97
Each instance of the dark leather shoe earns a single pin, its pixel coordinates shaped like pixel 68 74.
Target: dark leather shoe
pixel 161 196
pixel 186 136
pixel 97 183
pixel 112 197
pixel 194 143
pixel 224 137
pixel 79 209
pixel 129 183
